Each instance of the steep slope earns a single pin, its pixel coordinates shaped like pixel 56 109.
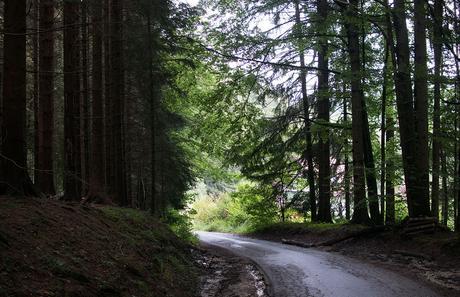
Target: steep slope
pixel 50 248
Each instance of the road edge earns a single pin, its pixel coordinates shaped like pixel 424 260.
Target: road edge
pixel 205 246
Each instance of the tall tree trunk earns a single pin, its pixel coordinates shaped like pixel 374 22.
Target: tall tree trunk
pixel 390 217
pixel 117 101
pixel 383 128
pixel 44 167
pixel 437 105
pixel 109 177
pixel 306 111
pixel 96 168
pixel 445 196
pixel 347 167
pixel 457 111
pixel 421 205
pixel 85 110
pixel 457 198
pixel 360 214
pixel 14 178
pixel 405 104
pixel 129 146
pixel 72 151
pixel 371 176
pixel 324 174
pixel 154 203
pixel 36 92
pixel 369 163
pixel 456 174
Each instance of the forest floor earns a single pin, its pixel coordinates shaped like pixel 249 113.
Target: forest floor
pixel 52 248
pixel 431 258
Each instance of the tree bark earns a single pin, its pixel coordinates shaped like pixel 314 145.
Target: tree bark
pixel 421 205
pixel 456 174
pixel 445 191
pixel 85 110
pixel 308 139
pixel 324 174
pixel 360 214
pixel 390 217
pixel 383 128
pixel 405 104
pixel 44 167
pixel 371 176
pixel 72 148
pixel 369 163
pixel 457 111
pixel 14 178
pixel 457 198
pixel 36 92
pixel 154 203
pixel 347 167
pixel 109 178
pixel 117 101
pixel 437 44
pixel 97 168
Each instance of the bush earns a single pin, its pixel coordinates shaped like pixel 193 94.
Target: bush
pixel 181 224
pixel 244 210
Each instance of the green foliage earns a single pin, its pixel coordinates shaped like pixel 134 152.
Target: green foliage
pixel 241 211
pixel 401 211
pixel 155 47
pixel 250 203
pixel 181 224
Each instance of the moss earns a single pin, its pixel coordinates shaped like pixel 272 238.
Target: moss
pixel 64 269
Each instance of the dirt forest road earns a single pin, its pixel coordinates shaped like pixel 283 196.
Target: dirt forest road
pixel 299 272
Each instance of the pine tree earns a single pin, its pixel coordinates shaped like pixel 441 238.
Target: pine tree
pixel 324 175
pixel 44 166
pixel 96 165
pixel 14 178
pixel 72 147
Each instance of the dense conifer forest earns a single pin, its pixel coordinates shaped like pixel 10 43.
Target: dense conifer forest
pixel 310 122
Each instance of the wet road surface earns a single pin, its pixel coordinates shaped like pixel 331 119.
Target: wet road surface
pixel 299 272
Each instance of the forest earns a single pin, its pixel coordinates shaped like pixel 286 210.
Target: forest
pixel 305 122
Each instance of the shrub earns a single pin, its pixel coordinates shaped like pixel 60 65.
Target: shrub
pixel 247 208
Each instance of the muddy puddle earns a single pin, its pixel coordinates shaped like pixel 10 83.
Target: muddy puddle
pixel 226 275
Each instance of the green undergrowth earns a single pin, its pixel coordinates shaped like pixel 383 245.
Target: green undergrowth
pixel 292 228
pixel 241 211
pixel 250 209
pixel 178 222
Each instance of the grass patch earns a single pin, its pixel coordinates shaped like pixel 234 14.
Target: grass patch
pixel 292 227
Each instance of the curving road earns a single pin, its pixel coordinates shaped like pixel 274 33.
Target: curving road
pixel 298 272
